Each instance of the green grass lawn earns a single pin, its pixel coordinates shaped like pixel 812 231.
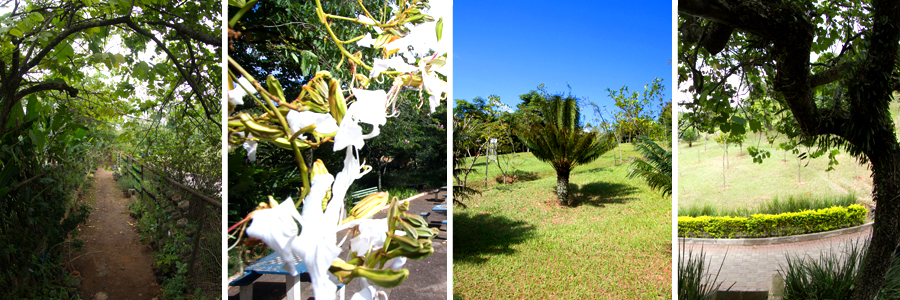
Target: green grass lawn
pixel 515 241
pixel 747 184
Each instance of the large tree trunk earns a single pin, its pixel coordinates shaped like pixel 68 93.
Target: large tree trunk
pixel 886 230
pixel 562 186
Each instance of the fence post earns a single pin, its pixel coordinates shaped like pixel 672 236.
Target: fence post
pixel 142 183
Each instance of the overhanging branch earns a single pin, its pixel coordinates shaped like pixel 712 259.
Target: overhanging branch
pixel 46 86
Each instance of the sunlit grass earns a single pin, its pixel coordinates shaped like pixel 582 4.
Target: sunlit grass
pixel 515 241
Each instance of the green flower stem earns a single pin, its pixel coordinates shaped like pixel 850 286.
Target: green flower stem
pixel 335 39
pixel 258 102
pixel 241 13
pixel 249 78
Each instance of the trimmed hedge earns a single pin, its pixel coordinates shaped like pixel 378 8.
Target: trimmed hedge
pixel 761 225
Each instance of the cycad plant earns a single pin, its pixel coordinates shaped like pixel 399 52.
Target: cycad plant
pixel 655 168
pixel 560 140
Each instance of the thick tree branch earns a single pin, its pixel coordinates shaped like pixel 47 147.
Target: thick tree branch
pixel 193 34
pixel 62 36
pixel 46 86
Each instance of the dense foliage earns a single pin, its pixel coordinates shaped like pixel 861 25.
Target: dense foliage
pixel 77 78
pixel 824 72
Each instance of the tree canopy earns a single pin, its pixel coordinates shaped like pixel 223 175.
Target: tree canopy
pixel 826 70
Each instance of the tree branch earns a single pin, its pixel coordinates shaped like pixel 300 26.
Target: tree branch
pixel 46 86
pixel 193 34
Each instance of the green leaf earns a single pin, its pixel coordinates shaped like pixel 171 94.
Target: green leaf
pixel 36 17
pixel 738 129
pixel 724 127
pixel 439 28
pixel 237 3
pixel 32 111
pixel 755 125
pixel 16 32
pixel 738 120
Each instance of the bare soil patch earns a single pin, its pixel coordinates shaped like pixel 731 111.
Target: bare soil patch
pixel 113 262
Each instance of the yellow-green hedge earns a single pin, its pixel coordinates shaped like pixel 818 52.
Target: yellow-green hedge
pixel 760 225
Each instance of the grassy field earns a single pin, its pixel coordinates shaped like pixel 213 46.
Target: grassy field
pixel 514 241
pixel 747 184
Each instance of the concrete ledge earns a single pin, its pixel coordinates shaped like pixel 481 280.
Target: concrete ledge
pixel 776 240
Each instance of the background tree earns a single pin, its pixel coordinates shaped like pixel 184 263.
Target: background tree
pixel 560 140
pixel 770 45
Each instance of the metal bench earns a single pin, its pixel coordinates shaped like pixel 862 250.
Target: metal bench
pixel 355 196
pixel 272 264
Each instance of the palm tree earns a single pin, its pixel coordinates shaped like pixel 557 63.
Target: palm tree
pixel 655 168
pixel 560 140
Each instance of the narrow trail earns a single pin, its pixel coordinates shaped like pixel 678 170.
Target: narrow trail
pixel 114 264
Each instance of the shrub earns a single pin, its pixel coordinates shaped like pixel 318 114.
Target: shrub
pixel 833 275
pixel 767 225
pixel 691 282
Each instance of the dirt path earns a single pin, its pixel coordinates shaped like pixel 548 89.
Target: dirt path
pixel 114 264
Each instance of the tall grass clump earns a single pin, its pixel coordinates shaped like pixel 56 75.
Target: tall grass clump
pixel 833 276
pixel 691 282
pixel 402 192
pixel 775 206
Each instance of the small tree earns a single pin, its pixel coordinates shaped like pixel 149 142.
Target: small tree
pixel 690 136
pixel 560 140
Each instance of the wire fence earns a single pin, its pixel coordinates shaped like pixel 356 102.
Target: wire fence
pixel 181 222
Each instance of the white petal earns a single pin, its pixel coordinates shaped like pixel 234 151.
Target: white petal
pixel 397 63
pixel 325 123
pixel 277 229
pixel 366 41
pixel 369 106
pixel 372 234
pixel 236 96
pixel 349 134
pixel 366 291
pixel 395 263
pixel 250 146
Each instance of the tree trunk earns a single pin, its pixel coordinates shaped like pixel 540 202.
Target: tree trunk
pixel 562 186
pixel 886 230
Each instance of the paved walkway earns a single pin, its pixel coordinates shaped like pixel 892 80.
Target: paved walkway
pixel 751 268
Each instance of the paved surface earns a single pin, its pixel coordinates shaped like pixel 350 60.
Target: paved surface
pixel 751 268
pixel 427 277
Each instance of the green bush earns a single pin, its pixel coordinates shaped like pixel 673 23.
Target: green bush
pixel 767 225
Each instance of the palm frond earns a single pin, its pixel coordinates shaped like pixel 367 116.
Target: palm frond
pixel 655 168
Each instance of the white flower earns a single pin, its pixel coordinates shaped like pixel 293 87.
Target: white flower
pixel 435 88
pixel 352 171
pixel 250 146
pixel 367 291
pixel 349 134
pixel 277 229
pixel 395 263
pixel 236 96
pixel 316 243
pixel 397 63
pixel 372 233
pixel 299 119
pixel 367 41
pixel 369 107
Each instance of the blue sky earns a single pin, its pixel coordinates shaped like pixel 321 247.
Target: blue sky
pixel 508 48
